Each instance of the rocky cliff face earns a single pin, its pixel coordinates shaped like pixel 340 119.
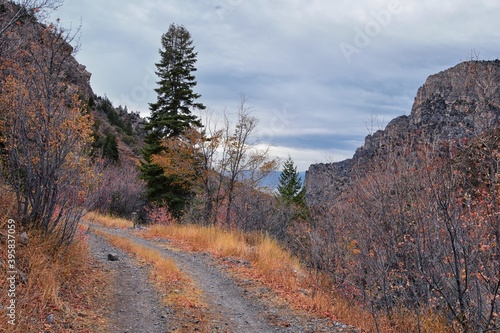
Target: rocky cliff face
pixel 459 102
pixel 20 28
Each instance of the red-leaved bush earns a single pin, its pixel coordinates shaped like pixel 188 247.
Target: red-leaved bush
pixel 159 215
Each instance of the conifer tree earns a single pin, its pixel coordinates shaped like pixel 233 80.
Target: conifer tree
pixel 110 148
pixel 290 184
pixel 171 115
pixel 290 187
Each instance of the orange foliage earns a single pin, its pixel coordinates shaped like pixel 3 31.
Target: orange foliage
pixel 181 157
pixel 56 281
pixel 272 265
pixel 45 130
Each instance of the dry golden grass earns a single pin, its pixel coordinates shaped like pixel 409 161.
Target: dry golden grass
pixel 272 265
pixel 108 221
pixel 58 281
pixel 179 289
pixel 180 292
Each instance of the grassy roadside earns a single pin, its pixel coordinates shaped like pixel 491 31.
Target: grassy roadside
pixel 180 292
pixel 52 283
pixel 108 221
pixel 273 266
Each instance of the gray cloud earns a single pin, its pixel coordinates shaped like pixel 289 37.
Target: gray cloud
pixel 318 74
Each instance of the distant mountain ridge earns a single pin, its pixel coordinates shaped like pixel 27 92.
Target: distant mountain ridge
pixel 459 102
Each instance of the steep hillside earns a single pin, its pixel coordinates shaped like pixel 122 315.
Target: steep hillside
pixel 459 102
pixel 20 26
pixel 113 125
pixel 411 224
pixel 118 133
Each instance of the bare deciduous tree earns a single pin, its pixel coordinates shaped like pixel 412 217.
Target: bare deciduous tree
pixel 219 164
pixel 419 232
pixel 120 191
pixel 12 12
pixel 45 132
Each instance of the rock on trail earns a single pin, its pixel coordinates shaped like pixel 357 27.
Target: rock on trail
pixel 134 305
pixel 231 306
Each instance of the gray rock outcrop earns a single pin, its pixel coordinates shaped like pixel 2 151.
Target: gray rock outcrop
pixel 459 102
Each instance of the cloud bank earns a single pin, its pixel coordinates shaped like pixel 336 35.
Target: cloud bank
pixel 318 74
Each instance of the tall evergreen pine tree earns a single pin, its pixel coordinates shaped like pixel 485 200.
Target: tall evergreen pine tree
pixel 171 115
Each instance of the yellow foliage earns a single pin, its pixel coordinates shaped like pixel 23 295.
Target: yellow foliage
pixel 181 157
pixel 108 221
pixel 45 130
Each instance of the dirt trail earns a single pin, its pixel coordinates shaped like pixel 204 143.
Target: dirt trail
pixel 134 305
pixel 225 298
pixel 232 305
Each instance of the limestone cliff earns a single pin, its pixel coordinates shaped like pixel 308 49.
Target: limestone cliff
pixel 459 102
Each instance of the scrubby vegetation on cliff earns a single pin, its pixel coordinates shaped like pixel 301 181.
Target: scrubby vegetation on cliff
pixel 412 221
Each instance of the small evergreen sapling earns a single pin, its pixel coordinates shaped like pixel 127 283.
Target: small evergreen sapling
pixel 290 189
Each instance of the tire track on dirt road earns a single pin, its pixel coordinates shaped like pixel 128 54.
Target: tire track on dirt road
pixel 128 281
pixel 231 306
pixel 224 298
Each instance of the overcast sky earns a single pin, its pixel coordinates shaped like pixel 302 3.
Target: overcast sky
pixel 319 74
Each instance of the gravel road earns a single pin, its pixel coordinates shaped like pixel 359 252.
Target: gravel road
pixel 234 305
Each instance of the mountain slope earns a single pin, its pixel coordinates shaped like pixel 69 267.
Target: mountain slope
pixel 459 102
